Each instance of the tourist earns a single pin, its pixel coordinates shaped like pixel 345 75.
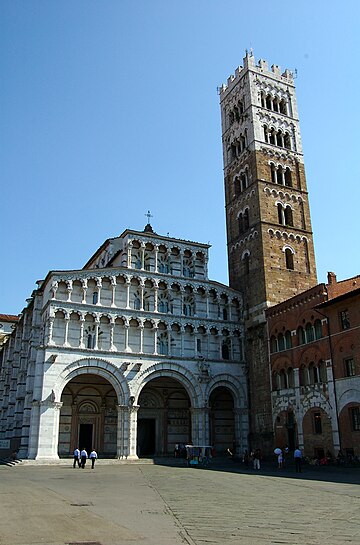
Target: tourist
pixel 76 457
pixel 256 458
pixel 93 457
pixel 83 456
pixel 298 459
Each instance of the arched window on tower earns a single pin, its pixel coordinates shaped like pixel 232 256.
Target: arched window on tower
pixel 95 298
pixel 273 173
pixel 288 180
pixel 266 134
pixel 279 176
pixel 237 186
pixel 288 216
pixel 289 259
pixel 280 210
pixel 272 137
pixel 287 141
pixel 268 102
pixel 282 107
pixel 279 139
pixel 246 219
pixel 246 261
pixel 243 181
pixel 241 223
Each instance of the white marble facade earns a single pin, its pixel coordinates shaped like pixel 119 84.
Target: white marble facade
pixel 132 354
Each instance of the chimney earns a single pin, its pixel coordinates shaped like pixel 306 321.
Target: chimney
pixel 331 276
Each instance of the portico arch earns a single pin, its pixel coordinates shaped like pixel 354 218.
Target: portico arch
pixel 91 392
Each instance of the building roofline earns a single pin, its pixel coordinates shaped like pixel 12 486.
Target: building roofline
pixel 339 298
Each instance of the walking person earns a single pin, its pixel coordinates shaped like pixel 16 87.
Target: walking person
pixel 83 456
pixel 298 459
pixel 76 457
pixel 93 457
pixel 257 457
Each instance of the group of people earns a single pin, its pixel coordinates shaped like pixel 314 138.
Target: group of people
pixel 282 454
pixel 80 458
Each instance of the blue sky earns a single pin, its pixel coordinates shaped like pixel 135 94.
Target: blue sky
pixel 109 108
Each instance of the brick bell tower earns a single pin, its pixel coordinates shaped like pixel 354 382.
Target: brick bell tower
pixel 270 244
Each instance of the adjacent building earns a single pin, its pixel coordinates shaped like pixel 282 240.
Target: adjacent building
pixel 315 369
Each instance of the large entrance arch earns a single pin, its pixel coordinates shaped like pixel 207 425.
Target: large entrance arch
pixel 88 416
pixel 222 420
pixel 163 418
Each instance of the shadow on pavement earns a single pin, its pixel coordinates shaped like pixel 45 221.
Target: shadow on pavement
pixel 346 475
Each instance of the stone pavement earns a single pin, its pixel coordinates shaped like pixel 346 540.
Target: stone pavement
pixel 161 504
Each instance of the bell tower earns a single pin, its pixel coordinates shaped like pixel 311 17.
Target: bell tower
pixel 269 236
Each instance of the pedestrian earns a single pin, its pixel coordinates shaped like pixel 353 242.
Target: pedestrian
pixel 298 459
pixel 93 457
pixel 246 459
pixel 76 457
pixel 256 458
pixel 280 460
pixel 83 456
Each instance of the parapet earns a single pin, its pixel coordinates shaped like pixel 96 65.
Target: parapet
pixel 261 68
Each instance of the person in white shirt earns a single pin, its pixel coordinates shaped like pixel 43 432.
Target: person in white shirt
pixel 76 457
pixel 93 456
pixel 297 458
pixel 83 456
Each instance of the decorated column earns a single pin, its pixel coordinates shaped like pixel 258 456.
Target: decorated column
pixel 122 446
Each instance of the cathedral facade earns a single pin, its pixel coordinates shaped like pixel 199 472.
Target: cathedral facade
pixel 131 355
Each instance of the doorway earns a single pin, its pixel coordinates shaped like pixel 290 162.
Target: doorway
pixel 86 437
pixel 146 437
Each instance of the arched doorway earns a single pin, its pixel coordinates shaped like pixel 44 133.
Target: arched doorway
pixel 164 418
pixel 317 430
pixel 88 416
pixel 222 421
pixel 285 432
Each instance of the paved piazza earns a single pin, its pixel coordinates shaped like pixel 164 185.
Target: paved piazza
pixel 145 504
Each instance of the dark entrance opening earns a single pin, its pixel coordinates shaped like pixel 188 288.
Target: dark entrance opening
pixel 146 437
pixel 85 437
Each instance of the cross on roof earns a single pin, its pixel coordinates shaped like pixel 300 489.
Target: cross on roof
pixel 148 215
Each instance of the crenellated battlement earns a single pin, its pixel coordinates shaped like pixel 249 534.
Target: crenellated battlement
pixel 261 67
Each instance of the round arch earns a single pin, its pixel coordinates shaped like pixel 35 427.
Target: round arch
pixel 94 366
pixel 175 371
pixel 232 384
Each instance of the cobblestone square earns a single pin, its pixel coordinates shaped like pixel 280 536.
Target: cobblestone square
pixel 154 504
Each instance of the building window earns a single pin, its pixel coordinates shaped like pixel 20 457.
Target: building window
pixel 355 418
pixel 350 367
pixel 344 319
pixel 318 329
pixel 90 341
pixel 136 302
pixel 95 297
pixel 225 352
pixel 317 423
pixel 289 259
pixel 198 346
